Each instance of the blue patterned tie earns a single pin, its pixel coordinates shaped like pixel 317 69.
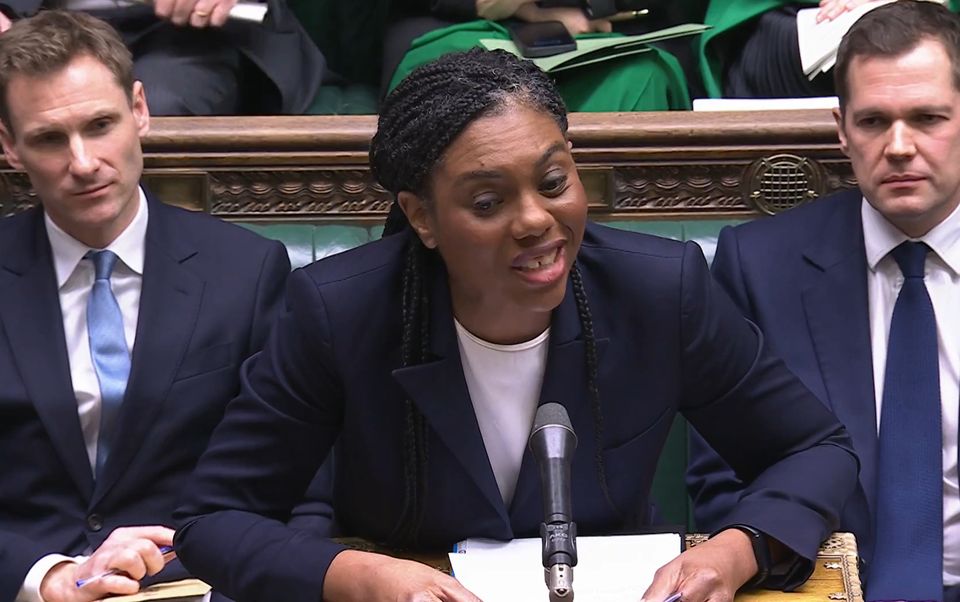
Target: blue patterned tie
pixel 908 563
pixel 108 348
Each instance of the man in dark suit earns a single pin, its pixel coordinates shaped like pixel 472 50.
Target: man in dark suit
pixel 123 322
pixel 828 284
pixel 193 60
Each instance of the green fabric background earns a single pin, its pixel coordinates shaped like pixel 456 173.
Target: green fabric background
pixel 652 81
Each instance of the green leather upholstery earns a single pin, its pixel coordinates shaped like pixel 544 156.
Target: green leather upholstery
pixel 308 242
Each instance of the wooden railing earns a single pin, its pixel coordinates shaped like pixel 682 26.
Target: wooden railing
pixel 635 165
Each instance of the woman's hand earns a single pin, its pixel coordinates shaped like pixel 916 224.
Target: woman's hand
pixel 713 570
pixel 831 9
pixel 495 10
pixel 572 18
pixel 364 577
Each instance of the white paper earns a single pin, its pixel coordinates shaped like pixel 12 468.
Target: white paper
pixel 765 104
pixel 609 569
pixel 819 41
pixel 244 11
pixel 249 11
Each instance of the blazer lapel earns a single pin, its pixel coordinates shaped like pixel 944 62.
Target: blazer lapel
pixel 564 382
pixel 31 316
pixel 837 311
pixel 169 304
pixel 439 390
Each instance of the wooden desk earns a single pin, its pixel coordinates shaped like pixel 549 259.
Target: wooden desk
pixel 835 577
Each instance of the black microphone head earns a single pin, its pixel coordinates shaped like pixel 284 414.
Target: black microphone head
pixel 552 434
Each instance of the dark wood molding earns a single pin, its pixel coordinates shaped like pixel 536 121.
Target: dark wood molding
pixel 634 165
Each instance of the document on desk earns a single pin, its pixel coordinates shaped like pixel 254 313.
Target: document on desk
pixel 610 569
pixel 188 590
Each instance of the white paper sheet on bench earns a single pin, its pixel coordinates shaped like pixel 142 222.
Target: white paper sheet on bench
pixel 610 569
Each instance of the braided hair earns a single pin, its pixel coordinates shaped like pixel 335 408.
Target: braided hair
pixel 418 122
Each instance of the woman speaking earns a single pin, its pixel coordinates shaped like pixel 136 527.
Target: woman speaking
pixel 423 357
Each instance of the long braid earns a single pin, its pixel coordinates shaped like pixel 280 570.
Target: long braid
pixel 422 429
pixel 408 313
pixel 593 390
pixel 414 349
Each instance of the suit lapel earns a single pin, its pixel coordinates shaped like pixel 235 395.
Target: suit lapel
pixel 31 316
pixel 565 382
pixel 837 311
pixel 439 390
pixel 169 304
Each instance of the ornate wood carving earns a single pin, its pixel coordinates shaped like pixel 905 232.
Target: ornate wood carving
pixel 634 165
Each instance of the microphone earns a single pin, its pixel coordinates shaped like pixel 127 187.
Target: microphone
pixel 552 442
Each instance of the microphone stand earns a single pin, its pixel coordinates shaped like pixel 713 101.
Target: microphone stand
pixel 553 442
pixel 559 558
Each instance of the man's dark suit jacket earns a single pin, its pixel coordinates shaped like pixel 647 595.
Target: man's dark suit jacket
pixel 802 278
pixel 668 340
pixel 210 292
pixel 279 47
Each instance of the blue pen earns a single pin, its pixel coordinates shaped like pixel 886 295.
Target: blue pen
pixel 164 551
pixel 674 597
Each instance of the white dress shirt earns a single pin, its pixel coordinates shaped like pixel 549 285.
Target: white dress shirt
pixel 75 277
pixel 942 278
pixel 504 384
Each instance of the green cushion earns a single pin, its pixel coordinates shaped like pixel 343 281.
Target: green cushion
pixel 298 239
pixel 350 99
pixel 333 239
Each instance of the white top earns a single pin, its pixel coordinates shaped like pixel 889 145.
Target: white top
pixel 74 281
pixel 504 385
pixel 942 277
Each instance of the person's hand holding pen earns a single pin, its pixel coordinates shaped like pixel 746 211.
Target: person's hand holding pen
pixel 116 567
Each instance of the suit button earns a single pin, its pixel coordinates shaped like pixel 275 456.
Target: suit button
pixel 95 522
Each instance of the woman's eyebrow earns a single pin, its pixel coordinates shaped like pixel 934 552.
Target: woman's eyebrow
pixel 547 154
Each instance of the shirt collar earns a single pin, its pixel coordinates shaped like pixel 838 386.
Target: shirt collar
pixel 880 237
pixel 129 245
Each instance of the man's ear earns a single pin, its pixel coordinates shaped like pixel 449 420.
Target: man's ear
pixel 141 113
pixel 9 148
pixel 419 217
pixel 838 117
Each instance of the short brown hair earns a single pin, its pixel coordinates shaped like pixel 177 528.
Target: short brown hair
pixel 893 30
pixel 50 40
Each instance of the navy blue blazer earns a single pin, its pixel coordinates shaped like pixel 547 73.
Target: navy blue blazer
pixel 210 292
pixel 668 340
pixel 802 278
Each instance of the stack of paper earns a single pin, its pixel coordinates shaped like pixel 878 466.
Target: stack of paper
pixel 610 569
pixel 594 50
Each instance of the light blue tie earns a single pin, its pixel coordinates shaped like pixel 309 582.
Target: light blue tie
pixel 108 348
pixel 908 561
